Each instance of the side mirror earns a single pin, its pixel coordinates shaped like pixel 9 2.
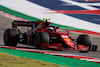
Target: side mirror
pixel 56 27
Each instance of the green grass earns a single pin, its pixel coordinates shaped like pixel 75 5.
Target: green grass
pixel 62 61
pixel 7 60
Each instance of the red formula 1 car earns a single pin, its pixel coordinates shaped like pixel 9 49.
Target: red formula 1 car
pixel 43 36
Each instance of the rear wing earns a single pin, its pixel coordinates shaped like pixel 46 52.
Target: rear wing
pixel 16 23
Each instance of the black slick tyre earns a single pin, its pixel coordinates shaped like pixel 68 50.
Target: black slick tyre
pixel 84 39
pixel 11 37
pixel 39 38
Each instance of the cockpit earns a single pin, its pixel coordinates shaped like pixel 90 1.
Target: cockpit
pixel 49 28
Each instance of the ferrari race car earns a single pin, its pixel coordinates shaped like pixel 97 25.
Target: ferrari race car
pixel 43 36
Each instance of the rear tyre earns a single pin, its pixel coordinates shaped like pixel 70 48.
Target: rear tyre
pixel 11 37
pixel 41 37
pixel 84 39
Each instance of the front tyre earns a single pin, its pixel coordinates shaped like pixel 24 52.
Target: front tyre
pixel 84 39
pixel 11 37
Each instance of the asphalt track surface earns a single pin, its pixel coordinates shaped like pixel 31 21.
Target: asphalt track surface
pixel 5 23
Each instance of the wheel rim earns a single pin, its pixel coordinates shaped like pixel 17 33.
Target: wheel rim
pixel 37 41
